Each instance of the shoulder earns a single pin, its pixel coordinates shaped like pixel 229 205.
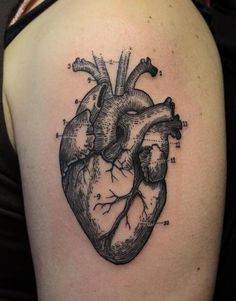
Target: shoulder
pixel 171 33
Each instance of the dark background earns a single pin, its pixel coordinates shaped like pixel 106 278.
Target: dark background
pixel 5 7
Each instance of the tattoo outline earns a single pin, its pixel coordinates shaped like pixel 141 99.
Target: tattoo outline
pixel 117 128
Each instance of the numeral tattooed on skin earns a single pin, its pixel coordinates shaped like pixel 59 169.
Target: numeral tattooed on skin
pixel 114 157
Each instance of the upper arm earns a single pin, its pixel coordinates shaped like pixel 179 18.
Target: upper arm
pixel 118 148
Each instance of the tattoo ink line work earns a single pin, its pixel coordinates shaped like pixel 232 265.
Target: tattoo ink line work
pixel 114 158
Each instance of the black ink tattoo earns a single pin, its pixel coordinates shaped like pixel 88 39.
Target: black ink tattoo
pixel 114 158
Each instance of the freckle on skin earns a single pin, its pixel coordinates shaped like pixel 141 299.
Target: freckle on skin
pixel 154 50
pixel 170 5
pixel 198 269
pixel 197 36
pixel 172 51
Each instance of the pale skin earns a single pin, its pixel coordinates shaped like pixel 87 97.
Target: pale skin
pixel 179 261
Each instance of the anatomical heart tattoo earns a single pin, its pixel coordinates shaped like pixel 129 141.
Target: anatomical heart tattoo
pixel 114 156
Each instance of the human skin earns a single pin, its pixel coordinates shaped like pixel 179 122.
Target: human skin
pixel 179 260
